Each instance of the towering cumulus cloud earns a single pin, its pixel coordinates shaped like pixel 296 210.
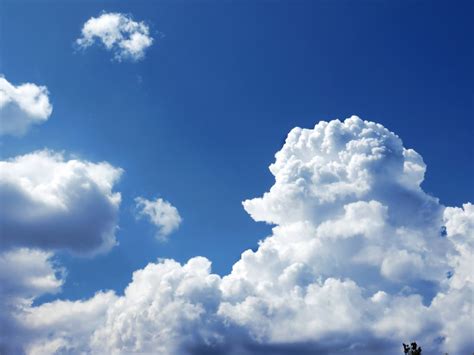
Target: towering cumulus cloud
pixel 22 106
pixel 359 260
pixel 119 33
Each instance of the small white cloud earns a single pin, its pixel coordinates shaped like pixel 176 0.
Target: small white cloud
pixel 162 214
pixel 119 33
pixel 52 203
pixel 22 106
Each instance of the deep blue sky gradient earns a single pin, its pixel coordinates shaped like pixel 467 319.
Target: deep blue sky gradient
pixel 198 121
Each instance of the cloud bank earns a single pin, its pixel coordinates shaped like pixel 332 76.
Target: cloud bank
pixel 49 204
pixel 52 203
pixel 22 106
pixel 359 260
pixel 119 33
pixel 162 214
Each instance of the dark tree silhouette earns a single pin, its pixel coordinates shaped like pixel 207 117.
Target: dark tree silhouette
pixel 414 349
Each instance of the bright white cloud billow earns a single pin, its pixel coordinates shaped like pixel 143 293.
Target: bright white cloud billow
pixel 48 203
pixel 51 203
pixel 360 260
pixel 22 106
pixel 162 214
pixel 119 33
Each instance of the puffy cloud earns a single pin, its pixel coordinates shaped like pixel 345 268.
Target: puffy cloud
pixel 360 259
pixel 71 322
pixel 28 273
pixel 22 106
pixel 119 33
pixel 320 170
pixel 51 203
pixel 48 203
pixel 162 214
pixel 185 298
pixel 454 303
pixel 24 275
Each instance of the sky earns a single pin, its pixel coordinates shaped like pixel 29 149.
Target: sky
pixel 140 144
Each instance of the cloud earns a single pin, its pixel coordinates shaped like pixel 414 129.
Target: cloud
pixel 48 204
pixel 24 275
pixel 76 319
pixel 320 170
pixel 163 215
pixel 52 203
pixel 22 106
pixel 28 273
pixel 119 33
pixel 359 260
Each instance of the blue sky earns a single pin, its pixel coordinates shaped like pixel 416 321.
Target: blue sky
pixel 198 120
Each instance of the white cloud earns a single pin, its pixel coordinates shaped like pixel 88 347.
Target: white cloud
pixel 455 304
pixel 164 216
pixel 29 273
pixel 355 264
pixel 22 106
pixel 75 319
pixel 119 33
pixel 51 203
pixel 320 170
pixel 24 275
pixel 182 297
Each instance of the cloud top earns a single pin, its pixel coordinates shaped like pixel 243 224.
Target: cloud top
pixel 319 170
pixel 22 106
pixel 119 33
pixel 162 214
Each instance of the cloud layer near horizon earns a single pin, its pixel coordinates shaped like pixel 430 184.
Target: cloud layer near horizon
pixel 119 33
pixel 360 259
pixel 22 106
